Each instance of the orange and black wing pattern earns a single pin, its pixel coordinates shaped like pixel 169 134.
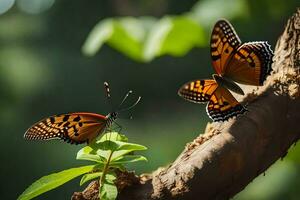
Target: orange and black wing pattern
pixel 250 64
pixel 198 91
pixel 221 104
pixel 224 42
pixel 74 128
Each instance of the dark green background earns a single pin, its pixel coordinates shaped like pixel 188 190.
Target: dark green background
pixel 43 72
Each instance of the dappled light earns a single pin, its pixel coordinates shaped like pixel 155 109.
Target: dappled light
pixel 5 5
pixel 34 6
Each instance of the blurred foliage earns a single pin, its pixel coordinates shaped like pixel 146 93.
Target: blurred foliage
pixel 281 181
pixel 43 72
pixel 145 38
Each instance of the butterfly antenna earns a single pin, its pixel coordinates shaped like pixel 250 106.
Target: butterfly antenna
pixel 130 107
pixel 108 96
pixel 124 99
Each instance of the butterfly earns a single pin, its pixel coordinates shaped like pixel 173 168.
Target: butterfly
pixel 248 63
pixel 77 127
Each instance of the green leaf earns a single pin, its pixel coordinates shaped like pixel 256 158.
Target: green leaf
pixel 87 177
pixel 98 151
pixel 125 148
pixel 87 153
pixel 184 35
pixel 111 142
pixel 129 159
pixel 174 36
pixel 156 37
pixel 124 34
pixel 104 149
pixel 118 154
pixel 129 36
pixel 98 36
pixel 52 181
pixel 90 176
pixel 108 190
pixel 113 136
pixel 110 177
pixel 118 145
pixel 129 146
pixel 119 148
pixel 104 153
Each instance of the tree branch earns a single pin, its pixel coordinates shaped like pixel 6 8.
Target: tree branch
pixel 229 155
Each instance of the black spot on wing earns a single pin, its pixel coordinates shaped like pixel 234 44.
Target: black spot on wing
pixel 66 118
pixel 66 124
pixel 215 57
pixel 52 120
pixel 77 119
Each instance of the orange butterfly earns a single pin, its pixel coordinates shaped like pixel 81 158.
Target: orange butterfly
pixel 248 63
pixel 78 127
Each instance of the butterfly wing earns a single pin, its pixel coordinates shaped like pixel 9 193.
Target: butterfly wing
pixel 250 64
pixel 224 41
pixel 222 105
pixel 198 91
pixel 74 127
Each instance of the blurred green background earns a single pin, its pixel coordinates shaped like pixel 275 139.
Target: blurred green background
pixel 44 72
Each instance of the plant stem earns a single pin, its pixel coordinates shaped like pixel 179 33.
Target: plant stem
pixel 105 170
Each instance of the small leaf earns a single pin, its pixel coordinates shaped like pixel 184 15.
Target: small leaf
pixel 118 154
pixel 104 153
pixel 107 145
pixel 129 146
pixel 108 190
pixel 125 148
pixel 87 177
pixel 110 177
pixel 105 148
pixel 86 153
pixel 52 181
pixel 129 159
pixel 113 136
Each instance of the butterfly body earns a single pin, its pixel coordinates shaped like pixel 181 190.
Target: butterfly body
pixel 233 62
pixel 228 83
pixel 79 127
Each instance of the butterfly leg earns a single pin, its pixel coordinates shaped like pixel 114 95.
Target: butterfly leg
pixel 118 127
pixel 107 130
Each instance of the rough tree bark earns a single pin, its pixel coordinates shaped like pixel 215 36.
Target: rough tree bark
pixel 228 156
